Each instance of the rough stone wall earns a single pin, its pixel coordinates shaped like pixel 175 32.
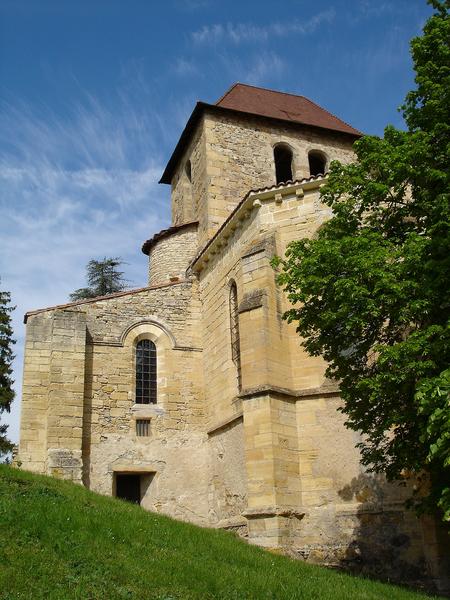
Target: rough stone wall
pixel 239 157
pixel 187 195
pixel 52 401
pixel 307 492
pixel 170 256
pixel 228 484
pixel 90 357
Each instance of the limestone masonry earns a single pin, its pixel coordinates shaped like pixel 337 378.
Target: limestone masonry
pixel 245 433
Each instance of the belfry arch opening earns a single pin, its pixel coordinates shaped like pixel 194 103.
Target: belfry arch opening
pixel 317 162
pixel 283 157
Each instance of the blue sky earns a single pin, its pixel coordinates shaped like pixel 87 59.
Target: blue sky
pixel 96 92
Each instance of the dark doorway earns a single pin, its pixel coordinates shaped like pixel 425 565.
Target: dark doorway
pixel 128 487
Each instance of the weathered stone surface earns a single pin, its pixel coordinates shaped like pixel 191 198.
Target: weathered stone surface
pixel 270 459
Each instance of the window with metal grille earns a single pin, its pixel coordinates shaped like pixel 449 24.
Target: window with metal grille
pixel 234 330
pixel 143 427
pixel 145 372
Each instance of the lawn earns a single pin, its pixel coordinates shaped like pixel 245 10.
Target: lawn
pixel 58 541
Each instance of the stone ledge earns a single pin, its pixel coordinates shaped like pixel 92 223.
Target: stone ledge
pixel 294 395
pixel 275 511
pixel 222 424
pixel 237 521
pixel 252 300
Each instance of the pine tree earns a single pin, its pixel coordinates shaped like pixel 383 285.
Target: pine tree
pixel 6 358
pixel 103 278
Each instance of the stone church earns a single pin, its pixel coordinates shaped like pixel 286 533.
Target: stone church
pixel 192 396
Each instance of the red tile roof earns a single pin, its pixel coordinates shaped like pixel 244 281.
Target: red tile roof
pixel 283 106
pixel 148 245
pixel 246 99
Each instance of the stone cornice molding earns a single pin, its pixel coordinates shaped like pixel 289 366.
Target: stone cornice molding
pixel 252 201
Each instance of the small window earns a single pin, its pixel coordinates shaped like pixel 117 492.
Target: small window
pixel 188 170
pixel 317 163
pixel 283 163
pixel 145 372
pixel 234 330
pixel 142 427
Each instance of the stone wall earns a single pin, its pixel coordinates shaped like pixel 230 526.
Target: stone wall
pixel 187 196
pixel 228 483
pixel 231 155
pixel 239 157
pixel 89 357
pixel 52 400
pixel 169 257
pixel 307 492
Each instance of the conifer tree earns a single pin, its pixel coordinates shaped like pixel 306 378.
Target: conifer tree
pixel 6 358
pixel 103 278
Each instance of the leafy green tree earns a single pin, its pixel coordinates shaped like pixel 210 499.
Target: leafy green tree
pixel 370 292
pixel 103 277
pixel 6 358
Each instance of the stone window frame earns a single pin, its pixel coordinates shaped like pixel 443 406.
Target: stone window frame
pixel 235 339
pixel 164 342
pixel 319 152
pixel 284 145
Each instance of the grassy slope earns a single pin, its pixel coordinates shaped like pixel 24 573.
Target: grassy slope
pixel 58 540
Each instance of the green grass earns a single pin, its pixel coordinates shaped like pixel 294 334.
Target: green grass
pixel 58 540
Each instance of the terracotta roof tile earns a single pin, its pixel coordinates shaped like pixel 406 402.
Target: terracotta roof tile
pixel 245 99
pixel 280 105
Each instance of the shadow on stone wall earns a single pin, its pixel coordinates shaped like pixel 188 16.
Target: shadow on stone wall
pixel 387 540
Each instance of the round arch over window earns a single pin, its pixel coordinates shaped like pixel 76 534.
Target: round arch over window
pixel 283 157
pixel 146 372
pixel 317 162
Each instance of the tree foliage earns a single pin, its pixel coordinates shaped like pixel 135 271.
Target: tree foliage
pixel 103 277
pixel 370 292
pixel 6 358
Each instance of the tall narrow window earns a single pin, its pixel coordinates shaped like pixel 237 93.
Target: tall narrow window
pixel 283 163
pixel 188 170
pixel 234 329
pixel 317 163
pixel 145 372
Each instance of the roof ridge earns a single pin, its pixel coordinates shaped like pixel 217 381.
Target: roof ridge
pixel 258 87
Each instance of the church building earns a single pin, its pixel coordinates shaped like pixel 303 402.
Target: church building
pixel 192 396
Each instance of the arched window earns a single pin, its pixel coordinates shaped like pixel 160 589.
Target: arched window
pixel 145 372
pixel 283 163
pixel 234 330
pixel 317 162
pixel 188 169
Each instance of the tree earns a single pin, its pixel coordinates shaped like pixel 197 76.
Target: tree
pixel 6 358
pixel 103 278
pixel 370 292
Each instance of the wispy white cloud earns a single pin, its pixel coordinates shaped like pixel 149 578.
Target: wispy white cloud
pixel 263 68
pixel 185 68
pixel 239 33
pixel 74 188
